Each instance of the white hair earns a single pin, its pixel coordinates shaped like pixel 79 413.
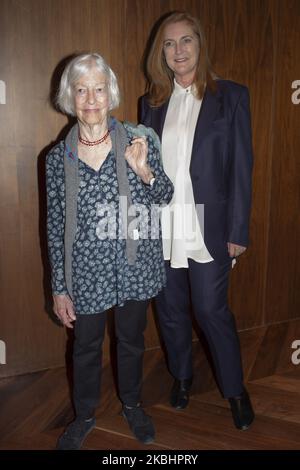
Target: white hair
pixel 81 65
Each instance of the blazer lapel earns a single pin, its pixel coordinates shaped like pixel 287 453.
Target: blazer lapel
pixel 211 104
pixel 161 113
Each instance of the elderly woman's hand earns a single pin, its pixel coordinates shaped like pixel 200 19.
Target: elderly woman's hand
pixel 136 156
pixel 64 310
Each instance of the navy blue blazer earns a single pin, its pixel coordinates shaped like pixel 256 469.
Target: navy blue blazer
pixel 221 163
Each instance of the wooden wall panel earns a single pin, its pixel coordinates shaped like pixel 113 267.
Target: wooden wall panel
pixel 250 41
pixel 35 37
pixel 139 17
pixel 231 34
pixel 283 263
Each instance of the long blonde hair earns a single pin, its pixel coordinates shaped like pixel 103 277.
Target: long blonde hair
pixel 160 76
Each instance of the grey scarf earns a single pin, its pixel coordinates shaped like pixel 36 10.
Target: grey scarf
pixel 119 143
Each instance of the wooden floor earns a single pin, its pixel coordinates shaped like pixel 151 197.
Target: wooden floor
pixel 35 408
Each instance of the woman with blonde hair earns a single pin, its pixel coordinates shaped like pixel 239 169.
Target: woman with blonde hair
pixel 205 129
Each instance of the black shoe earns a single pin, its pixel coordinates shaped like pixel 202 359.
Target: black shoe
pixel 179 397
pixel 140 424
pixel 242 411
pixel 75 434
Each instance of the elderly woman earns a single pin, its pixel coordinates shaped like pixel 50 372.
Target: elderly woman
pixel 204 124
pixel 103 182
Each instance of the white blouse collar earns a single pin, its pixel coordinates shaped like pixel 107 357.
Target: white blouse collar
pixel 180 90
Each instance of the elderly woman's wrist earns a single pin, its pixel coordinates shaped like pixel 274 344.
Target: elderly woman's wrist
pixel 147 176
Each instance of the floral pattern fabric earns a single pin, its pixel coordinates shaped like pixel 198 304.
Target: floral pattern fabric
pixel 101 276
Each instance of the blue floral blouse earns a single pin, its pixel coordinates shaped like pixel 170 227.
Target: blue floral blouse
pixel 101 276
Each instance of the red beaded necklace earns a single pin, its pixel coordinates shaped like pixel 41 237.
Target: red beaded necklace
pixel 96 142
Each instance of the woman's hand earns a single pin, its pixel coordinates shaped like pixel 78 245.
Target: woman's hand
pixel 136 156
pixel 64 309
pixel 235 250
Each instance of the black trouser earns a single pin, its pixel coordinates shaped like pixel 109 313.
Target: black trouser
pixel 130 321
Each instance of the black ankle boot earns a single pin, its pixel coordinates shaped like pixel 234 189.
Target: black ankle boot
pixel 179 397
pixel 242 411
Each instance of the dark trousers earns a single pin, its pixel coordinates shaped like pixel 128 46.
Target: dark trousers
pixel 130 322
pixel 203 286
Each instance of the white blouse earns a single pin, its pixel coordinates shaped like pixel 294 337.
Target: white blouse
pixel 182 238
